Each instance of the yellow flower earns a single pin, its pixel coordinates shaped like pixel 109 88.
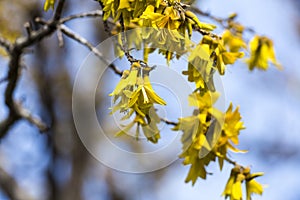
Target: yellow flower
pixel 196 149
pixel 238 175
pixel 201 25
pixel 233 188
pixel 262 52
pixel 109 9
pixel 49 4
pixel 233 42
pixel 200 68
pixel 136 96
pixel 169 20
pixel 253 187
pixel 149 17
pixel 229 135
pixel 233 125
pixel 218 53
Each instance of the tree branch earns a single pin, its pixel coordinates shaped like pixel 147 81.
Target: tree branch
pixel 95 13
pixel 10 187
pixel 16 50
pixel 68 32
pixel 25 114
pixel 221 21
pixel 15 53
pixel 4 43
pixel 58 11
pixel 168 122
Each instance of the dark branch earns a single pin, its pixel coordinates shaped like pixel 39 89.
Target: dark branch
pixel 166 121
pixel 6 44
pixel 15 53
pixel 58 11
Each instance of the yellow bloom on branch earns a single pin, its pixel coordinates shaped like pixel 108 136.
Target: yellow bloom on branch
pixel 233 42
pixel 218 53
pixel 238 176
pixel 49 4
pixel 136 96
pixel 196 150
pixel 229 135
pixel 262 52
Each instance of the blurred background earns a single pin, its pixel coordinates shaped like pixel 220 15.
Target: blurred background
pixel 56 165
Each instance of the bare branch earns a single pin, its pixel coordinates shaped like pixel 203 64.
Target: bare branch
pixel 60 38
pixel 230 161
pixel 207 14
pixel 28 28
pixel 124 42
pixel 25 114
pixel 16 50
pixel 96 13
pixel 204 32
pixel 68 32
pixel 168 122
pixel 222 21
pixel 4 43
pixel 58 10
pixel 10 187
pixel 15 53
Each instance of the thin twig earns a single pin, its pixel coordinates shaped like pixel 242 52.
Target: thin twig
pixel 203 32
pixel 230 161
pixel 68 32
pixel 60 38
pixel 5 43
pixel 222 21
pixel 124 42
pixel 207 14
pixel 95 13
pixel 28 28
pixel 25 114
pixel 168 122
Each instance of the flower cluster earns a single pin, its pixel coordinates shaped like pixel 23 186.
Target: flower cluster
pixel 172 24
pixel 229 134
pixel 135 95
pixel 196 130
pixel 239 175
pixel 262 51
pixel 207 134
pixel 167 27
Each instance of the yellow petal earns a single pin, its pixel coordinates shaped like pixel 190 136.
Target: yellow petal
pixel 49 4
pixel 253 186
pixel 237 191
pixel 153 96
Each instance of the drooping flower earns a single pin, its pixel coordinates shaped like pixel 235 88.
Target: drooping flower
pixel 136 96
pixel 49 4
pixel 238 176
pixel 262 52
